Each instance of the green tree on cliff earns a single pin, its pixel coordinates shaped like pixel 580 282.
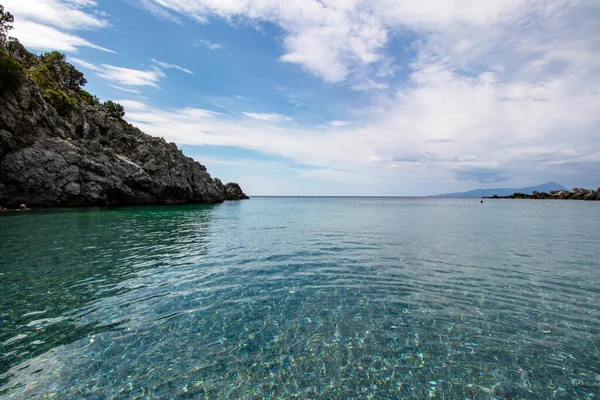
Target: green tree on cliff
pixel 59 81
pixel 10 69
pixel 113 109
pixel 6 20
pixel 89 98
pixel 62 72
pixel 18 52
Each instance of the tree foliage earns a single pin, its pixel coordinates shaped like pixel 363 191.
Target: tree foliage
pixel 10 72
pixel 63 73
pixel 6 20
pixel 113 109
pixel 59 100
pixel 41 75
pixel 17 51
pixel 10 69
pixel 59 81
pixel 89 98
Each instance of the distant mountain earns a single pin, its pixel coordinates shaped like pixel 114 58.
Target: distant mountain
pixel 546 187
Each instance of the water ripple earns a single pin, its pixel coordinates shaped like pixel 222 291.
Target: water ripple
pixel 303 298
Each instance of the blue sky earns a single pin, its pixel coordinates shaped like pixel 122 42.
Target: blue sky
pixel 347 97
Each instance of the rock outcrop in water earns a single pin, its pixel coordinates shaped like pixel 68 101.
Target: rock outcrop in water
pixel 575 194
pixel 87 157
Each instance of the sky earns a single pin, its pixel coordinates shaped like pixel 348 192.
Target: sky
pixel 347 97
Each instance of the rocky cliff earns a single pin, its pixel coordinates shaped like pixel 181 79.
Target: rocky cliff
pixel 89 158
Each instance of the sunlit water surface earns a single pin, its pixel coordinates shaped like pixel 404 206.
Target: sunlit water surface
pixel 303 298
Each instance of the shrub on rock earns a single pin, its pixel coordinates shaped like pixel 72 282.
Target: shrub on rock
pixel 59 100
pixel 113 109
pixel 10 72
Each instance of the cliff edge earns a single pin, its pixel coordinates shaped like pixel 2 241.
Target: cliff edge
pixel 86 157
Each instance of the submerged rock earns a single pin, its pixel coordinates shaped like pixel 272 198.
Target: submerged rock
pixel 90 158
pixel 503 391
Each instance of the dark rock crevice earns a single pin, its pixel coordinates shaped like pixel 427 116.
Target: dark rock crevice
pixel 89 158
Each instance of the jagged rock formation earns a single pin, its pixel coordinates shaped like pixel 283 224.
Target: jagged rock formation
pixel 575 194
pixel 89 158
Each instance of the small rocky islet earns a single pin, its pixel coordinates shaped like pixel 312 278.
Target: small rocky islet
pixel 575 194
pixel 59 146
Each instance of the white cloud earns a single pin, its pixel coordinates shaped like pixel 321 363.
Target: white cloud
pixel 491 133
pixel 158 11
pixel 333 38
pixel 127 79
pixel 42 24
pixel 368 84
pixel 134 105
pixel 338 124
pixel 335 175
pixel 498 90
pixel 167 65
pixel 124 79
pixel 84 64
pixel 326 38
pixel 208 44
pixel 131 77
pixel 42 37
pixel 197 126
pixel 124 89
pixel 268 117
pixel 68 15
pixel 244 163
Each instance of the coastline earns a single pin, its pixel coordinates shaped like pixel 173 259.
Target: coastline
pixel 575 194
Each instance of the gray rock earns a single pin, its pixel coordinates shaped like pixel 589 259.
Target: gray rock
pixel 234 191
pixel 89 158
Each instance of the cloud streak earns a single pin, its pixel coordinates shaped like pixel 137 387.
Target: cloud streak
pixel 337 39
pixel 268 117
pixel 84 64
pixel 124 89
pixel 131 77
pixel 43 37
pixel 67 15
pixel 167 66
pixel 338 124
pixel 128 79
pixel 46 24
pixel 208 44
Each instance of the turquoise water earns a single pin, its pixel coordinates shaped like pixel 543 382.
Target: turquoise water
pixel 303 298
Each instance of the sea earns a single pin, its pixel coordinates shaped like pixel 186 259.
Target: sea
pixel 303 298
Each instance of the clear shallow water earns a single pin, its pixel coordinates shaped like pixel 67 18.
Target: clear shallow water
pixel 303 298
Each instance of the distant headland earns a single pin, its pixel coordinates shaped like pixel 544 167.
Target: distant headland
pixel 575 194
pixel 479 193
